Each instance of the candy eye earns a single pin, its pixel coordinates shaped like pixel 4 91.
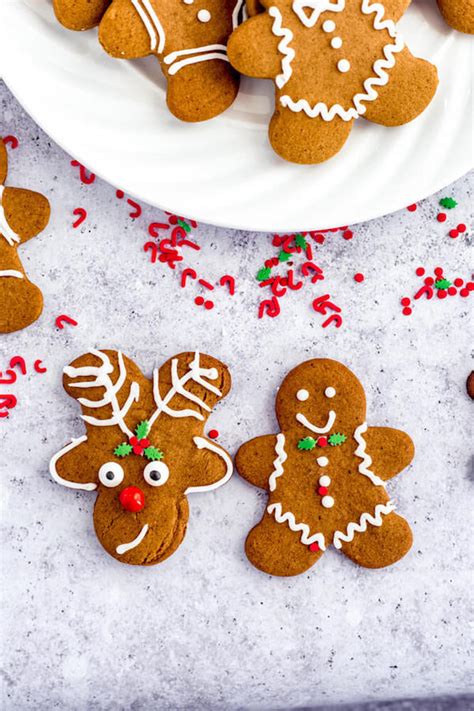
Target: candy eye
pixel 156 473
pixel 111 474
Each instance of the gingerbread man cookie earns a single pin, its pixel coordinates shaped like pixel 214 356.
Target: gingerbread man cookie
pixel 189 38
pixel 459 14
pixel 325 474
pixel 80 14
pixel 144 448
pixel 332 61
pixel 23 214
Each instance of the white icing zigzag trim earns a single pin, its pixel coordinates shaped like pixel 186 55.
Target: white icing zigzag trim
pixel 52 467
pixel 366 459
pixel 278 463
pixel 288 53
pixel 288 517
pixel 361 526
pixel 380 79
pixel 202 443
pixel 5 228
pixel 133 544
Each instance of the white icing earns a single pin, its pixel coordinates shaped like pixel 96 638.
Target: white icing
pixel 318 430
pixel 317 7
pixel 279 461
pixel 152 24
pixel 302 395
pixel 328 113
pixel 64 482
pixel 329 26
pixel 102 379
pixel 327 502
pixel 324 480
pixel 113 468
pixel 322 461
pixel 188 2
pixel 202 443
pixel 195 60
pixel 124 547
pixel 204 16
pixel 289 518
pixel 336 43
pixel 5 228
pixel 11 273
pixel 343 65
pixel 330 392
pixel 366 459
pixel 195 373
pixel 241 10
pixel 283 46
pixel 361 525
pixel 158 468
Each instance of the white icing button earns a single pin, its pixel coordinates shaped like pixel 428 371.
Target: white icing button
pixel 343 65
pixel 336 42
pixel 325 481
pixel 327 502
pixel 212 374
pixel 302 395
pixel 322 461
pixel 330 392
pixel 204 15
pixel 329 26
pixel 188 2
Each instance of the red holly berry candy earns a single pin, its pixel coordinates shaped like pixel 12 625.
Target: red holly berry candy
pixel 314 547
pixel 453 233
pixel 464 292
pixel 199 300
pixel 452 291
pixel 405 301
pixel 319 239
pixel 458 281
pixel 208 305
pixel 323 490
pixel 137 449
pixel 348 234
pixel 132 499
pixel 438 271
pixel 420 271
pixel 462 227
pixel 133 441
pixel 322 442
pixel 470 286
pixel 442 293
pixel 441 217
pixel 144 443
pixel 407 311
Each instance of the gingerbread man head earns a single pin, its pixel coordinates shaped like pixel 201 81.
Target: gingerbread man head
pixel 23 214
pixel 144 449
pixel 189 37
pixel 80 14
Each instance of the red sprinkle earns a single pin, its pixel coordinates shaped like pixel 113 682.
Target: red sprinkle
pixel 458 281
pixel 462 227
pixel 213 434
pixel 452 291
pixel 420 271
pixel 359 277
pixel 441 217
pixel 464 292
pixel 405 301
pixel 442 293
pixel 407 311
pixel 348 234
pixel 199 300
pixel 155 226
pixel 438 271
pixel 314 547
pixel 208 305
pixel 470 286
pixel 411 208
pixel 453 233
pixel 206 284
pixel 86 177
pixel 429 281
pixel 120 194
pixel 20 361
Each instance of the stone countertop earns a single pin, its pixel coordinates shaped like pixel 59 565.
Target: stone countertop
pixel 206 629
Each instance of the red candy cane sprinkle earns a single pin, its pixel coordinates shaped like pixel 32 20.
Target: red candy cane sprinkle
pixel 86 177
pixel 208 305
pixel 81 216
pixel 12 141
pixel 411 208
pixel 61 320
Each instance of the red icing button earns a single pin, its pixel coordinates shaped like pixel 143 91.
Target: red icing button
pixel 132 499
pixel 314 547
pixel 322 442
pixel 323 490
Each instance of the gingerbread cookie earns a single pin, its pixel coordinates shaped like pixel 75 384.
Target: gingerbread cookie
pixel 80 14
pixel 470 385
pixel 459 14
pixel 332 61
pixel 325 474
pixel 189 38
pixel 144 448
pixel 23 214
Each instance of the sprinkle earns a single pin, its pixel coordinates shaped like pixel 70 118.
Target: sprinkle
pixel 420 271
pixel 314 547
pixel 458 281
pixel 359 277
pixel 12 140
pixel 452 291
pixel 453 233
pixel 442 294
pixel 411 208
pixel 213 434
pixel 199 300
pixel 429 281
pixel 462 227
pixel 347 234
pixel 208 305
pixel 405 301
pixel 407 311
pixel 81 216
pixel 438 271
pixel 464 292
pixel 441 217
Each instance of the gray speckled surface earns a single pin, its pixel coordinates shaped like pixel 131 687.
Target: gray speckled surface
pixel 205 629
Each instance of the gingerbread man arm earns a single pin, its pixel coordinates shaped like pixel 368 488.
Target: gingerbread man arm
pixel 395 9
pixel 254 460
pixel 459 15
pixel 250 48
pixel 122 33
pixel 391 451
pixel 411 86
pixel 80 14
pixel 26 212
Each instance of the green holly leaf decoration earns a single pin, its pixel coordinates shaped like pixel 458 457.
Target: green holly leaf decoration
pixel 284 256
pixel 307 443
pixel 448 203
pixel 443 283
pixel 153 454
pixel 142 429
pixel 300 241
pixel 264 273
pixel 336 439
pixel 123 450
pixel 184 225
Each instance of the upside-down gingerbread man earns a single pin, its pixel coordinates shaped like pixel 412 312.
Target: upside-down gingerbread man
pixel 459 14
pixel 144 448
pixel 80 14
pixel 23 214
pixel 332 61
pixel 325 473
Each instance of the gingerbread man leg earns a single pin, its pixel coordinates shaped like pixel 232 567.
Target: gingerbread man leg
pixel 317 141
pixel 381 546
pixel 277 550
pixel 411 86
pixel 80 14
pixel 203 90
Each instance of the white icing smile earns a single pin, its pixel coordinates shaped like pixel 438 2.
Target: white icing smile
pixel 133 544
pixel 317 430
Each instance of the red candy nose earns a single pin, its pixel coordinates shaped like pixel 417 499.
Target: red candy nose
pixel 132 498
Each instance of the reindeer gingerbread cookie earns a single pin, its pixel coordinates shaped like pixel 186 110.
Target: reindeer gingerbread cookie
pixel 332 61
pixel 80 14
pixel 23 215
pixel 189 38
pixel 459 14
pixel 325 473
pixel 144 448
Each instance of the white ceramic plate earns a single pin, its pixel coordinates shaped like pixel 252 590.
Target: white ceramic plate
pixel 111 116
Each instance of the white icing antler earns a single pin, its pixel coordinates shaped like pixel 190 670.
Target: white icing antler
pixel 101 375
pixel 196 374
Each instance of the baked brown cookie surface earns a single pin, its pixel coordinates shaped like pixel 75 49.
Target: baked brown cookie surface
pixel 325 474
pixel 80 14
pixel 331 63
pixel 459 14
pixel 23 214
pixel 189 38
pixel 144 448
